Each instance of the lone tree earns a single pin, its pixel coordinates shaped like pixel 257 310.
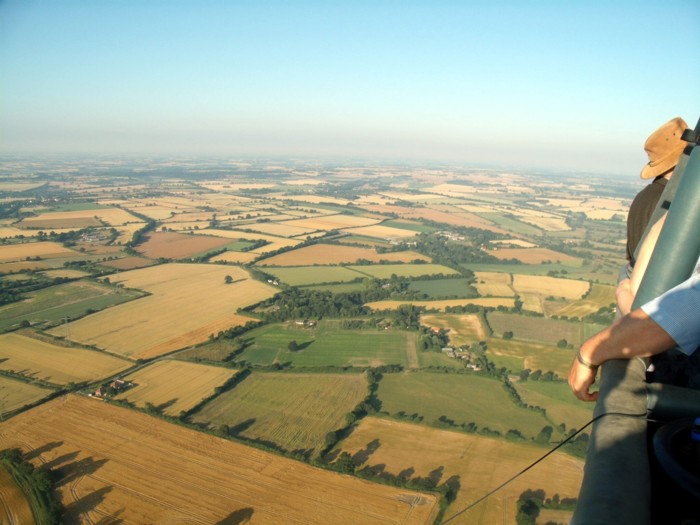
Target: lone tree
pixel 293 346
pixel 228 279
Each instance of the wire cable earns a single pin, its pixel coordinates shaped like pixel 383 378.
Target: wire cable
pixel 541 458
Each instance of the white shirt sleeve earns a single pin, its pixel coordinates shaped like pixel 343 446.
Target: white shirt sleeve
pixel 678 312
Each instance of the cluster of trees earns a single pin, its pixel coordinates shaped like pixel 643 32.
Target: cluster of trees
pixel 531 502
pixel 13 290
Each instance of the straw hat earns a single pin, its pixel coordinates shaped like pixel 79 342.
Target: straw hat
pixel 664 148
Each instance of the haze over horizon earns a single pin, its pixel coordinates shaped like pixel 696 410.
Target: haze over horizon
pixel 540 83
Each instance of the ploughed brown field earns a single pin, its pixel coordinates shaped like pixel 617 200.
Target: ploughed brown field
pixel 119 465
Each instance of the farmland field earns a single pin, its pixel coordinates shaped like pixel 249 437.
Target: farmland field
pixel 443 288
pixel 536 328
pixel 494 284
pixel 335 254
pixel 463 328
pixel 56 303
pixel 121 465
pixel 174 386
pixel 546 286
pixel 172 245
pixel 332 222
pixel 381 232
pixel 305 275
pixel 294 411
pixel 79 219
pixel 55 364
pixel 479 464
pixel 171 317
pixel 600 295
pixel 520 355
pixel 14 506
pixel 441 305
pixel 328 345
pixel 385 271
pixel 43 249
pixel 556 396
pixel 531 255
pixel 15 394
pixel 462 398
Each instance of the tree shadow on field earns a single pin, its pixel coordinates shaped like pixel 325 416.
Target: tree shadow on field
pixel 65 458
pixel 77 469
pixel 238 517
pixel 88 503
pixel 33 454
pixel 407 473
pixel 436 475
pixel 361 456
pixel 242 427
pixel 161 408
pixel 114 519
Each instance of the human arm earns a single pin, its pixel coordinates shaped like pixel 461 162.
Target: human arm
pixel 634 335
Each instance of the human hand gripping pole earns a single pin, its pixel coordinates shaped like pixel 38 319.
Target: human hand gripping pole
pixel 582 376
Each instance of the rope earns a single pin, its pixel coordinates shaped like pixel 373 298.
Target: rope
pixel 548 453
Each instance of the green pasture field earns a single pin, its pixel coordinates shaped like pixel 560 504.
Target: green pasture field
pixel 438 359
pixel 326 345
pixel 520 355
pixel 337 288
pixel 590 329
pixel 556 397
pixel 361 240
pixel 510 224
pixel 526 269
pixel 50 306
pixel 462 398
pixel 78 206
pixel 385 271
pixel 306 275
pixel 294 411
pixel 409 225
pixel 15 394
pixel 217 350
pixel 538 329
pixel 445 288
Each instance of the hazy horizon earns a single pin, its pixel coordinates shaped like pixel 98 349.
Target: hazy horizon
pixel 505 84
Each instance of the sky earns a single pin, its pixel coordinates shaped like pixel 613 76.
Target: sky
pixel 551 84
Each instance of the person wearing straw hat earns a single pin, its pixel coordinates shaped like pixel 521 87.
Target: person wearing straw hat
pixel 664 148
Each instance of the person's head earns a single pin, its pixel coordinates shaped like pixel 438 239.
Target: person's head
pixel 664 148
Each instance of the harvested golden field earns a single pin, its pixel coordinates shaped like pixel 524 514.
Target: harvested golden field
pixel 172 245
pixel 121 465
pixel 283 229
pixel 333 222
pixel 494 284
pixel 128 263
pixel 381 232
pixel 463 328
pixel 600 295
pixel 550 286
pixel 56 364
pixel 532 302
pixel 334 254
pixel 15 394
pixel 313 199
pixel 477 464
pixel 466 219
pixel 65 274
pixel 173 316
pixel 274 242
pixel 441 305
pixel 14 507
pixel 174 386
pixel 235 257
pixel 520 243
pixel 44 249
pixel 80 219
pixel 23 265
pixel 531 255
